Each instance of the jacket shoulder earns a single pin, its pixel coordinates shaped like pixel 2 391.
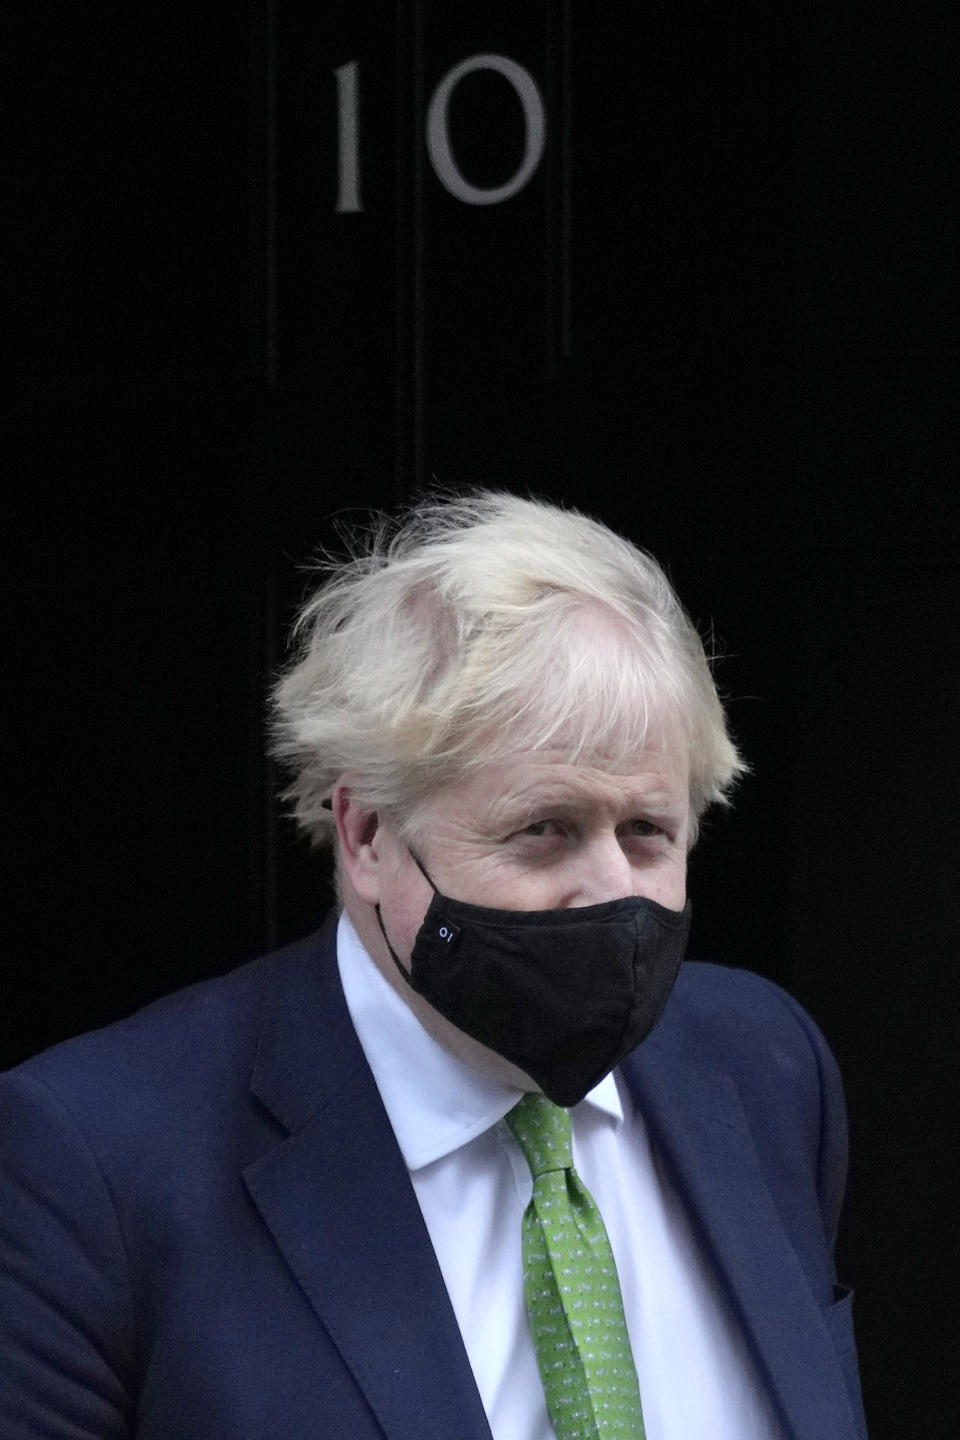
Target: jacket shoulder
pixel 739 1013
pixel 186 1049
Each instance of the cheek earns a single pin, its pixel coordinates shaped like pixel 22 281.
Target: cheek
pixel 406 922
pixel 669 885
pixel 473 874
pixel 404 899
pixel 501 890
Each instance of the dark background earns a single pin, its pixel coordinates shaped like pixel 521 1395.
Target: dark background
pixel 723 315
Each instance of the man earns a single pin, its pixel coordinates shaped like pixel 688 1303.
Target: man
pixel 311 1198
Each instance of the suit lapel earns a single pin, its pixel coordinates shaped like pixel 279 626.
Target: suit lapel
pixel 338 1201
pixel 697 1124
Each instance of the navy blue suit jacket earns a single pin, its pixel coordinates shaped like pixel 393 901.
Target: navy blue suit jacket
pixel 207 1229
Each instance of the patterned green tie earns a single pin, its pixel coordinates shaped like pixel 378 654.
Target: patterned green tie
pixel 571 1287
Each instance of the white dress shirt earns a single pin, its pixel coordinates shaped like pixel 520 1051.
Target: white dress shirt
pixel 697 1379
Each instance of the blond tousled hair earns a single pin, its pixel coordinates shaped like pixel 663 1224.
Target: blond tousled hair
pixel 478 627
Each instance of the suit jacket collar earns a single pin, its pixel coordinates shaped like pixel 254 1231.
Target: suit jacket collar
pixel 698 1125
pixel 337 1198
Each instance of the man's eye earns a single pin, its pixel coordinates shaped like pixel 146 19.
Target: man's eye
pixel 644 828
pixel 540 827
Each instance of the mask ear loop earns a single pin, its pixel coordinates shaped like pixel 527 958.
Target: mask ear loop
pixel 393 954
pixel 383 930
pixel 422 870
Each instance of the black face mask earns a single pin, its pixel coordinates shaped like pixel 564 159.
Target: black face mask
pixel 562 994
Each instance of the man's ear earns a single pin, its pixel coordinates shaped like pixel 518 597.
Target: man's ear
pixel 359 837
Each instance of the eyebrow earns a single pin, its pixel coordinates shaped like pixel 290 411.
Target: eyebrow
pixel 561 794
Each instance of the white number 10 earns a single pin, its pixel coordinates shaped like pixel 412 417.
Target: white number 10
pixel 438 135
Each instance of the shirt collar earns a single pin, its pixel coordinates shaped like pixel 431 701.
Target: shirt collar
pixel 435 1102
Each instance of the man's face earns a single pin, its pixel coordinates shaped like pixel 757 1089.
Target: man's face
pixel 531 833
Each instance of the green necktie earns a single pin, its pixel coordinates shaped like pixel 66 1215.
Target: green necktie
pixel 571 1287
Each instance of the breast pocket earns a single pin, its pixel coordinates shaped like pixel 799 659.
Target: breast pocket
pixel 839 1318
pixel 839 1321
